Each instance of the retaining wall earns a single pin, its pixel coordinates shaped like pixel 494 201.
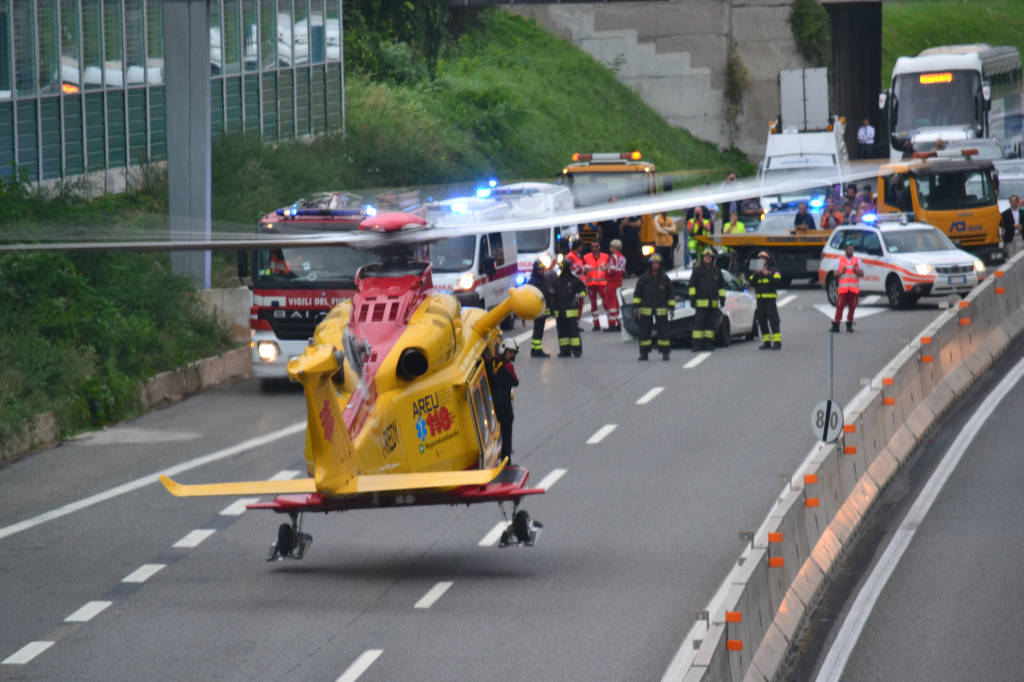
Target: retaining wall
pixel 779 577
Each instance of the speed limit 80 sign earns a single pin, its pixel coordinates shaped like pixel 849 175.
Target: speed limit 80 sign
pixel 827 421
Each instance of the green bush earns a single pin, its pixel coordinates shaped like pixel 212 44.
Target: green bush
pixel 812 31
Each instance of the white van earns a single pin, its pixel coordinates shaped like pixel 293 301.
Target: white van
pixel 479 268
pixel 533 200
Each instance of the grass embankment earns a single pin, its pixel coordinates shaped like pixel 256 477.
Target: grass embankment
pixel 909 27
pixel 78 333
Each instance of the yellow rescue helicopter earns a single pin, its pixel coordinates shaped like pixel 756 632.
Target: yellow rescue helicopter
pixel 398 401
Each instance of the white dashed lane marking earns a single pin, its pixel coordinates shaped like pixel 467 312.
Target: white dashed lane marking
pixel 143 573
pixel 193 539
pixel 601 434
pixel 650 395
pixel 26 653
pixel 551 479
pixel 701 357
pixel 433 595
pixel 360 665
pixel 237 508
pixel 788 299
pixel 493 535
pixel 88 612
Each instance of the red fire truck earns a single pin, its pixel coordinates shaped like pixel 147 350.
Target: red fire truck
pixel 294 288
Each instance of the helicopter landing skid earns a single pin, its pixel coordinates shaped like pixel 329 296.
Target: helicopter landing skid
pixel 291 543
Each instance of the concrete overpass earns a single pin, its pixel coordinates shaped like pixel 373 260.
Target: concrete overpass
pixel 674 53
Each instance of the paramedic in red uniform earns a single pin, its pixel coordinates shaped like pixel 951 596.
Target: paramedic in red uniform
pixel 849 272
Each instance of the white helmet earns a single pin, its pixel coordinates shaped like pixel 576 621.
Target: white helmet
pixel 509 344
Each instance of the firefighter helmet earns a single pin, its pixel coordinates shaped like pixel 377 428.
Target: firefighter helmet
pixel 510 344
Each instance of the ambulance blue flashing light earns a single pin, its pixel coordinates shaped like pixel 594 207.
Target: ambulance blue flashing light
pixel 483 192
pixel 520 279
pixel 869 217
pixel 370 210
pixel 816 203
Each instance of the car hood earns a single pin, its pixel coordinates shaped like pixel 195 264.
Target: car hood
pixel 936 258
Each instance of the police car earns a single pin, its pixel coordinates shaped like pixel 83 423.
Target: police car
pixel 902 258
pixel 738 319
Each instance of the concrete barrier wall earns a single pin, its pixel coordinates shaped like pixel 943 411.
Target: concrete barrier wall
pixel 779 578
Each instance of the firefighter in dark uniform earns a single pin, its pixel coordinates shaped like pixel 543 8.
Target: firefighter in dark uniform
pixel 540 279
pixel 766 318
pixel 567 290
pixel 707 296
pixel 653 297
pixel 503 380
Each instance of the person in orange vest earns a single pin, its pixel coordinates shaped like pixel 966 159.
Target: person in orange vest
pixel 577 266
pixel 615 273
pixel 849 272
pixel 595 267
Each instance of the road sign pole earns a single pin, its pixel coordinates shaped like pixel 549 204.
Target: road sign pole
pixel 831 366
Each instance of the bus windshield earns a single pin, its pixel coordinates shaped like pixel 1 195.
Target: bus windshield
pixel 949 98
pixel 453 255
pixel 532 241
pixel 590 189
pixel 955 190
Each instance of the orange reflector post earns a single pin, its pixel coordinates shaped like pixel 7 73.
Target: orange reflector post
pixel 888 381
pixel 926 359
pixel 733 616
pixel 888 401
pixel 965 321
pixel 810 478
pixel 734 644
pixel 774 537
pixel 964 304
pixel 776 562
pixel 849 428
pixel 925 340
pixel 1000 290
pixel 811 502
pixel 850 450
pixel 998 273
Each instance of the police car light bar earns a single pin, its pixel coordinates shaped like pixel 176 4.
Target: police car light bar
pixel 295 212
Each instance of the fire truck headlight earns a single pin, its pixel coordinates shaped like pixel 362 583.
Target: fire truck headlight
pixel 267 351
pixel 465 282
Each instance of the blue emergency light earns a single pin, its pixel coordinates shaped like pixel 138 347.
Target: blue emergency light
pixel 816 203
pixel 869 217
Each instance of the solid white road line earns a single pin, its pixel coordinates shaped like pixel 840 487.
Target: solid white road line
pixel 131 486
pixel 360 665
pixel 433 595
pixel 650 395
pixel 829 311
pixel 701 357
pixel 788 299
pixel 493 535
pixel 88 612
pixel 870 300
pixel 285 475
pixel 237 508
pixel 193 539
pixel 853 625
pixel 26 653
pixel 143 573
pixel 601 434
pixel 551 479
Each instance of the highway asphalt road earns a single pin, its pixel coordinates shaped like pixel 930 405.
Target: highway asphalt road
pixel 934 592
pixel 640 523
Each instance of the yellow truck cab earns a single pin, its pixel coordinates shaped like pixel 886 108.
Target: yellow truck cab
pixel 596 178
pixel 956 195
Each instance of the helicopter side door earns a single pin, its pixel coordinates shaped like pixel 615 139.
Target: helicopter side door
pixel 488 435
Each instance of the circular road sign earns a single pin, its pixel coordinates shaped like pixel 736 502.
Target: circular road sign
pixel 827 421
